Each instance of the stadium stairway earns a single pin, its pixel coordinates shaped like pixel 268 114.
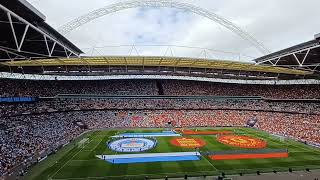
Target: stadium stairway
pixel 160 88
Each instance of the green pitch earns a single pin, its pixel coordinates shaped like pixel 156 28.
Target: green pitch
pixel 80 162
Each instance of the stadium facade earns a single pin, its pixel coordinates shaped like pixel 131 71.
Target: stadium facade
pixel 54 57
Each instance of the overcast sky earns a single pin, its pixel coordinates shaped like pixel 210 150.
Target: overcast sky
pixel 277 24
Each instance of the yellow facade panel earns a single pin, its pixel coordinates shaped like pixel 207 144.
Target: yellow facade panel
pixel 155 61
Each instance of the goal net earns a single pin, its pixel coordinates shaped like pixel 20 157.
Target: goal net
pixel 83 142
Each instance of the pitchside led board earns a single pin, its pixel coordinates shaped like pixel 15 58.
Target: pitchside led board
pixel 16 99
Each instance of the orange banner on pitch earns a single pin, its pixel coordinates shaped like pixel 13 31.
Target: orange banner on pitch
pixel 242 141
pixel 248 156
pixel 188 142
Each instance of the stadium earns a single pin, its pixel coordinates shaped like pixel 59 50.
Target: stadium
pixel 69 115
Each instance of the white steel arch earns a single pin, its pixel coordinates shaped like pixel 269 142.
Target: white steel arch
pixel 67 28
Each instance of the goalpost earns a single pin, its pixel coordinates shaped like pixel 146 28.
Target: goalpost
pixel 282 139
pixel 83 142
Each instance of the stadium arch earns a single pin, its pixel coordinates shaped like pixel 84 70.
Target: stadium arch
pixel 70 26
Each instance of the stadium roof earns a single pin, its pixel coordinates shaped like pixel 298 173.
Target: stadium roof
pixel 28 36
pixel 151 61
pixel 305 55
pixel 34 47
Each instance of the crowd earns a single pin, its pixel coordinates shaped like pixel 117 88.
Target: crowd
pixel 18 88
pixel 29 129
pixel 26 136
pixel 303 127
pixel 223 89
pixel 151 87
pixel 23 137
pixel 156 104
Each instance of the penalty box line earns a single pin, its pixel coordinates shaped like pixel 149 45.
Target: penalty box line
pixel 209 162
pixel 92 149
pixel 286 143
pixel 68 161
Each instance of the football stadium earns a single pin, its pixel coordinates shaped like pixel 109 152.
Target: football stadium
pixel 66 114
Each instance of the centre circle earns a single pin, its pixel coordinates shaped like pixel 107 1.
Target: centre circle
pixel 132 144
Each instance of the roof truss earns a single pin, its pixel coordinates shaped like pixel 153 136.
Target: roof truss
pixel 23 34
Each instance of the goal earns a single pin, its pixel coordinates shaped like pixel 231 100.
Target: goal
pixel 83 142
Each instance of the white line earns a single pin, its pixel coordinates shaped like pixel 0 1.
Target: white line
pixel 83 160
pixel 68 161
pixel 210 163
pixel 302 151
pixel 300 146
pixel 130 175
pixel 271 168
pixel 190 172
pixel 96 145
pixel 290 142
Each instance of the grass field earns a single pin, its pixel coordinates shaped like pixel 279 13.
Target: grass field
pixel 81 163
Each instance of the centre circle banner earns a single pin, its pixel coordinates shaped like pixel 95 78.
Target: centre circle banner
pixel 132 144
pixel 242 141
pixel 187 142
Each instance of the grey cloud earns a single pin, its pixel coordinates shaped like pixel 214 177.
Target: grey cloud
pixel 277 23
